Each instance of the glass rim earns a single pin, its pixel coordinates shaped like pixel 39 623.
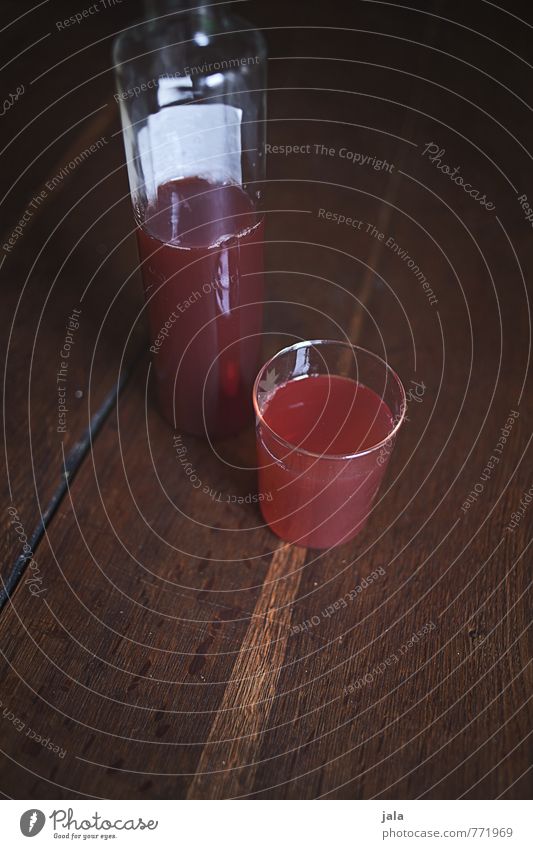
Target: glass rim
pixel 308 343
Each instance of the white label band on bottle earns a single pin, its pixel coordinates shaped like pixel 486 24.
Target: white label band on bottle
pixel 191 140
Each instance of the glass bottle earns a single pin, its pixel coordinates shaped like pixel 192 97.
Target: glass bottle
pixel 191 85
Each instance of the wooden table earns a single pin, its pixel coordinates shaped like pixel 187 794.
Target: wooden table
pixel 155 641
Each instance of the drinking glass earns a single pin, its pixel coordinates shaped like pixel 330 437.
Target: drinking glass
pixel 327 416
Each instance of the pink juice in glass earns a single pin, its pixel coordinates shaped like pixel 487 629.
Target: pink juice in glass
pixel 323 444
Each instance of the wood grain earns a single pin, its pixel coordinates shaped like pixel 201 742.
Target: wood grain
pixel 47 274
pixel 178 650
pixel 235 736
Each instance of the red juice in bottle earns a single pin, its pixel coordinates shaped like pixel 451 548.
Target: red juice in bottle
pixel 201 251
pixel 321 458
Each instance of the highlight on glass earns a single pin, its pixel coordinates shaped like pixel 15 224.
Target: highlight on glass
pixel 191 88
pixel 327 416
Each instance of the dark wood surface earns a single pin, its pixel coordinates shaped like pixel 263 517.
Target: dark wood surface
pixel 161 657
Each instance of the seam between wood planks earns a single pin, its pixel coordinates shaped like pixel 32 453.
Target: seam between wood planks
pixel 78 452
pixel 73 462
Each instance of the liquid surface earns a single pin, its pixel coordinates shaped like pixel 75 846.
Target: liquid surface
pixel 194 213
pixel 201 249
pixel 328 415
